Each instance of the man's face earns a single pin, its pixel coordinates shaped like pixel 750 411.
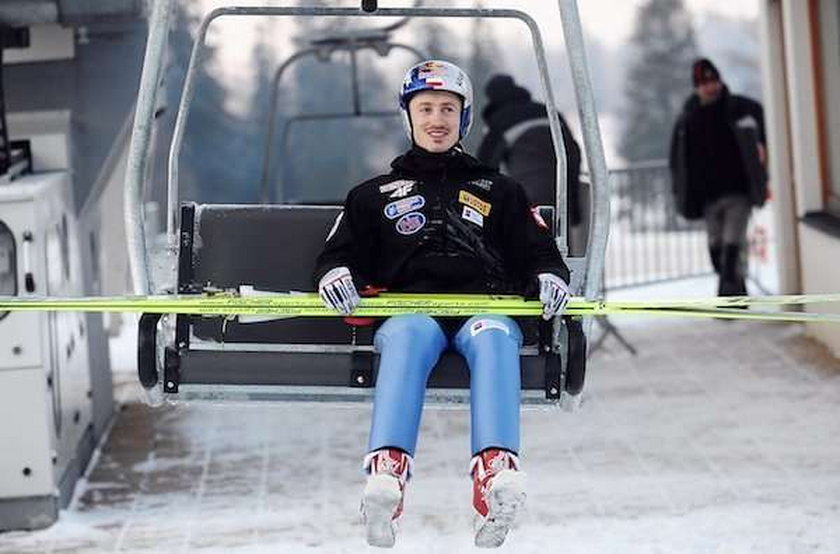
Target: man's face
pixel 708 91
pixel 435 119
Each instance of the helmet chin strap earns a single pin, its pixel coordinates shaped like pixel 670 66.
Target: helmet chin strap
pixel 411 128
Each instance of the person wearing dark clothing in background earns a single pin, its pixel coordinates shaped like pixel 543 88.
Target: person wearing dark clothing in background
pixel 717 163
pixel 518 143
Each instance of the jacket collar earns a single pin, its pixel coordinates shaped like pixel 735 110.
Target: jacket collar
pixel 420 161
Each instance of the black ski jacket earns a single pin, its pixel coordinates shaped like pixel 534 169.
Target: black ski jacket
pixel 441 223
pixel 519 140
pixel 714 151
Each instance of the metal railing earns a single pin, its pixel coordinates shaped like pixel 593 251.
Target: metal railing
pixel 649 241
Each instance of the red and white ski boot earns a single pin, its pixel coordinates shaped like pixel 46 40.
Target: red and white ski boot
pixel 382 501
pixel 498 495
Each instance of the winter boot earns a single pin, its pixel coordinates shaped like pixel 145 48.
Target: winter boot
pixel 716 256
pixel 382 501
pixel 498 495
pixel 732 282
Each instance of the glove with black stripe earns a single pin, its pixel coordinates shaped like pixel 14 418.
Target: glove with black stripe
pixel 554 294
pixel 337 290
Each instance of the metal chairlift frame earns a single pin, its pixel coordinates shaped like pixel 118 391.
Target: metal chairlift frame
pixel 586 272
pixel 377 40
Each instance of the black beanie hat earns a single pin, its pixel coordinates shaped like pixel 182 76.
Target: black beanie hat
pixel 502 88
pixel 703 70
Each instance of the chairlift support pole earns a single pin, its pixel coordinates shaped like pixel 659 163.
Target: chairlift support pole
pixel 599 233
pixel 138 153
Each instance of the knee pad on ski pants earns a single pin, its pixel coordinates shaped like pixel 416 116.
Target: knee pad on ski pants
pixel 409 347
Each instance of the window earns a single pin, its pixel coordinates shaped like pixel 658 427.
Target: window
pixel 8 264
pixel 829 29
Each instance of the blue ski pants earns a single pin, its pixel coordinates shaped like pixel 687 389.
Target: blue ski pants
pixel 409 347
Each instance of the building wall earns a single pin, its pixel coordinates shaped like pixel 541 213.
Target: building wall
pixel 799 118
pixel 95 78
pixel 821 274
pixel 780 159
pixel 114 270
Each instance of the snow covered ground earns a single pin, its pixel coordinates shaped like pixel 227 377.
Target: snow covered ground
pixel 717 437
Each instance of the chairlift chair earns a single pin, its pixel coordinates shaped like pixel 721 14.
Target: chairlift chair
pixel 273 247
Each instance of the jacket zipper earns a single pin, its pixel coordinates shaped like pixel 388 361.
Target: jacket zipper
pixel 443 199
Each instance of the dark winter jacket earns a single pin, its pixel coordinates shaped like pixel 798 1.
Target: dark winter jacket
pixel 714 152
pixel 519 143
pixel 441 223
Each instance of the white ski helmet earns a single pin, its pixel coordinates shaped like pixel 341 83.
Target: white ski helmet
pixel 438 75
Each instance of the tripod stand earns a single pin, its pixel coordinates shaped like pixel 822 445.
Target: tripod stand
pixel 608 328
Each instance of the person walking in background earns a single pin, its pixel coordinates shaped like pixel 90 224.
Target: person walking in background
pixel 518 143
pixel 717 161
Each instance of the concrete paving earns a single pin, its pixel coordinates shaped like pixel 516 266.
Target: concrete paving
pixel 717 437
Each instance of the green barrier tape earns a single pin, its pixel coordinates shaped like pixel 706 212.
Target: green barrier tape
pixel 442 305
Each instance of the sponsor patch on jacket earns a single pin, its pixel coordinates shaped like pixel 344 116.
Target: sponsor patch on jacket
pixel 402 191
pixel 410 223
pixel 483 184
pixel 538 219
pixel 474 202
pixel 471 215
pixel 482 325
pixel 399 207
pixel 398 188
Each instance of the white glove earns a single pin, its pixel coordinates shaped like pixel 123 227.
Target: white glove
pixel 337 290
pixel 554 294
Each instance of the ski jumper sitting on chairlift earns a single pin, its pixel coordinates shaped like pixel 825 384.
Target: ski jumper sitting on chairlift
pixel 441 222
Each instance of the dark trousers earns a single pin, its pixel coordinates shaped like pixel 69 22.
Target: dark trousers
pixel 726 225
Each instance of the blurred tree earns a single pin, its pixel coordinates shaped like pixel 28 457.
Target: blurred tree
pixel 734 45
pixel 323 159
pixel 436 39
pixel 265 66
pixel 662 49
pixel 206 171
pixel 482 62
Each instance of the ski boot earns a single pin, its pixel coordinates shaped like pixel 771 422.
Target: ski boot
pixel 382 501
pixel 498 495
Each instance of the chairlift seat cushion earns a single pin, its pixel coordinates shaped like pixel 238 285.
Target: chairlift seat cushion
pixel 274 248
